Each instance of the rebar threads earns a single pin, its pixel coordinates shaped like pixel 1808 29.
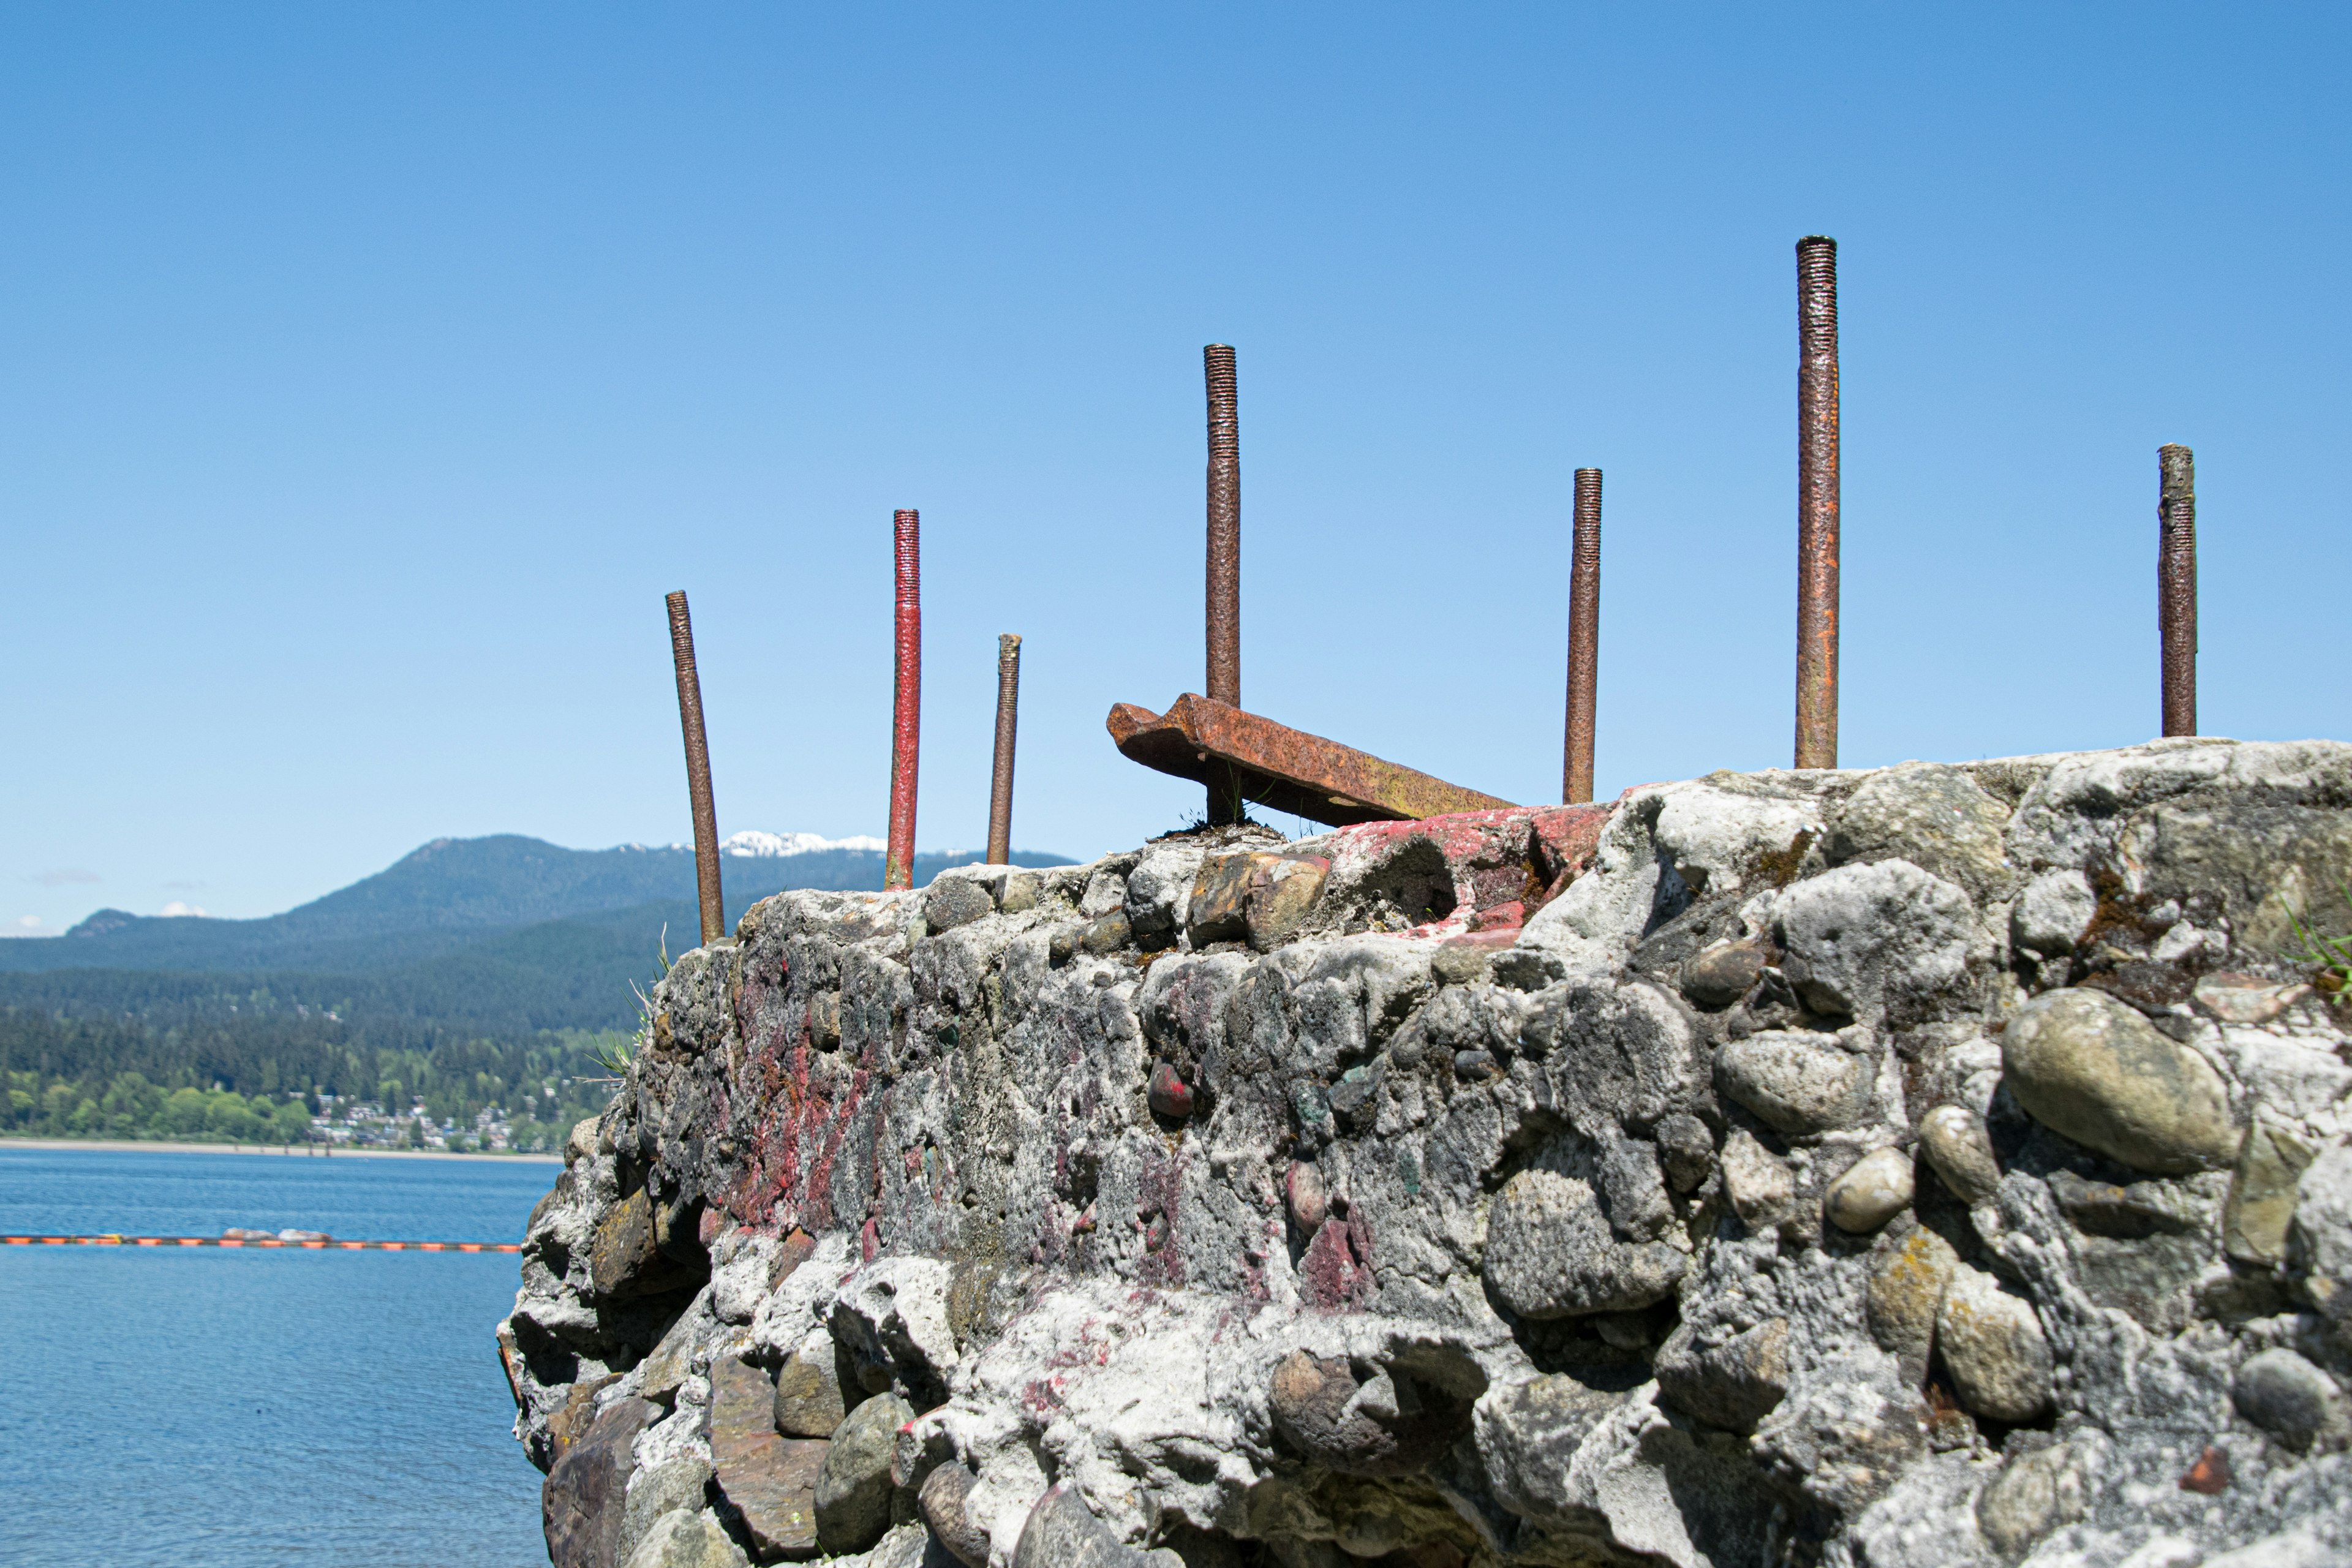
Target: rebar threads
pixel 1000 789
pixel 906 709
pixel 2176 585
pixel 697 772
pixel 1224 581
pixel 1817 503
pixel 1583 639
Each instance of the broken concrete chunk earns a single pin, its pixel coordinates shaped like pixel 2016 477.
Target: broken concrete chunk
pixel 893 1313
pixel 1527 1437
pixel 1929 814
pixel 2052 912
pixel 1730 1382
pixel 1550 1252
pixel 1762 1187
pixel 2089 1067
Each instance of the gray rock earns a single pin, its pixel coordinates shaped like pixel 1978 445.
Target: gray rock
pixel 1870 1192
pixel 2082 1063
pixel 853 1487
pixel 1527 1437
pixel 2052 912
pixel 1994 1345
pixel 668 1488
pixel 1934 816
pixel 944 1503
pixel 659 1373
pixel 1686 1148
pixel 2262 1194
pixel 809 1400
pixel 1860 939
pixel 1158 891
pixel 2290 1399
pixel 1550 1252
pixel 1358 1427
pixel 687 1540
pixel 1733 1380
pixel 1762 1187
pixel 1063 1532
pixel 1722 975
pixel 2319 1239
pixel 954 902
pixel 1908 1275
pixel 582 1501
pixel 893 1312
pixel 2034 1495
pixel 1793 1082
pixel 1959 1150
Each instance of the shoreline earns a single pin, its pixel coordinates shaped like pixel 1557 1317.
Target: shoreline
pixel 265 1151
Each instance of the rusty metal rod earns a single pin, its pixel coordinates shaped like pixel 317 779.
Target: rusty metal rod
pixel 2176 584
pixel 907 705
pixel 697 772
pixel 1224 583
pixel 1583 639
pixel 1817 503
pixel 1000 789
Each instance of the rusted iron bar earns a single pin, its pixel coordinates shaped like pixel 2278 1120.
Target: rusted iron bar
pixel 1000 789
pixel 1287 770
pixel 2176 584
pixel 698 771
pixel 1224 616
pixel 1583 639
pixel 1817 503
pixel 907 705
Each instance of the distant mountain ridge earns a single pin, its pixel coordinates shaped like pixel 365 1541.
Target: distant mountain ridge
pixel 455 894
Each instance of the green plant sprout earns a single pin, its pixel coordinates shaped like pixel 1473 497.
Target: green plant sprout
pixel 615 1059
pixel 2332 954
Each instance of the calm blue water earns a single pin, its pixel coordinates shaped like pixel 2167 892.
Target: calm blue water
pixel 202 1408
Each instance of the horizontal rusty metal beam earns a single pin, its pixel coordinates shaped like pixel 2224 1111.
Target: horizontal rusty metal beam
pixel 1283 769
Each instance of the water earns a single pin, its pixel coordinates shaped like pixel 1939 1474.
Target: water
pixel 200 1406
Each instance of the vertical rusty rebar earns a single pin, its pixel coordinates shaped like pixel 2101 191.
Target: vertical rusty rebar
pixel 1224 583
pixel 698 771
pixel 907 705
pixel 1817 503
pixel 1000 789
pixel 1583 639
pixel 2176 584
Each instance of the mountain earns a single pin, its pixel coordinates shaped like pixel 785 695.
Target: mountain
pixel 459 896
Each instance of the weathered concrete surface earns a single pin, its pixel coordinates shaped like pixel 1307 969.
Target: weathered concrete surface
pixel 1655 1183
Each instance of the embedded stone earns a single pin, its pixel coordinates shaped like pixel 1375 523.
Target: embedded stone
pixel 944 1502
pixel 2290 1399
pixel 1795 1081
pixel 1960 1150
pixel 687 1540
pixel 1527 1437
pixel 2319 1238
pixel 1929 814
pixel 581 1500
pixel 1551 1253
pixel 1217 910
pixel 1281 897
pixel 674 1486
pixel 1732 1382
pixel 1870 1192
pixel 2089 1067
pixel 1722 975
pixel 1762 1187
pixel 1303 1188
pixel 1686 1148
pixel 954 902
pixel 1388 1426
pixel 1856 938
pixel 1169 1095
pixel 809 1399
pixel 2033 1496
pixel 1063 1532
pixel 2261 1194
pixel 2052 912
pixel 1994 1345
pixel 769 1478
pixel 1907 1279
pixel 852 1485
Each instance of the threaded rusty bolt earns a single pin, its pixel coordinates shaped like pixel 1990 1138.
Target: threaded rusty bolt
pixel 697 772
pixel 1224 584
pixel 1583 639
pixel 2176 584
pixel 906 707
pixel 1817 503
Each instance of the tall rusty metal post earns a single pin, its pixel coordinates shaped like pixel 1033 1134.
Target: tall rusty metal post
pixel 2176 584
pixel 1584 640
pixel 697 772
pixel 1000 790
pixel 906 707
pixel 1817 503
pixel 1224 582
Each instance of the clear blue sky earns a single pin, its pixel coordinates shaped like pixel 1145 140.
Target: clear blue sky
pixel 367 376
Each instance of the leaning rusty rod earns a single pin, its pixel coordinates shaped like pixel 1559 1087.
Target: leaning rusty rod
pixel 698 771
pixel 1000 789
pixel 1817 503
pixel 1583 639
pixel 1224 617
pixel 906 709
pixel 2176 584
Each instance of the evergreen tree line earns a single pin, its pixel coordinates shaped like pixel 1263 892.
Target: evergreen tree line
pixel 251 1069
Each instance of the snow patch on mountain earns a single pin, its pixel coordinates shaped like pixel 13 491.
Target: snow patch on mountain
pixel 756 845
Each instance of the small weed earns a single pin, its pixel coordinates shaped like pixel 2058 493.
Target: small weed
pixel 615 1059
pixel 2332 954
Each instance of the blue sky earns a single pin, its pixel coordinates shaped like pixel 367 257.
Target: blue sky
pixel 367 376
